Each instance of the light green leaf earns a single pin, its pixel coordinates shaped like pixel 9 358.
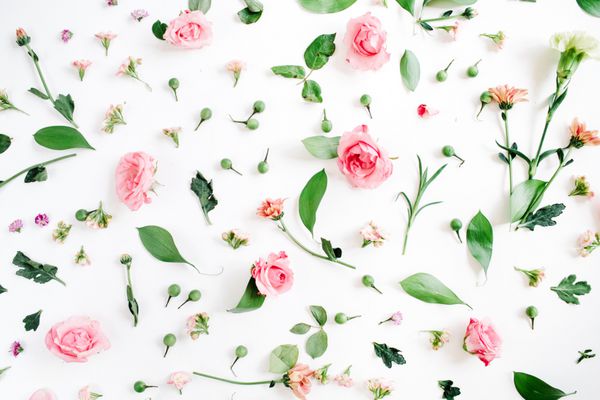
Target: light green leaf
pixel 311 91
pixel 410 70
pixel 480 240
pixel 533 388
pixel 283 358
pixel 568 290
pixel 322 147
pixel 318 52
pixel 408 5
pixel 5 142
pixel 429 289
pixel 289 71
pixel 300 328
pixel 319 314
pixel 248 17
pixel 254 5
pixel 316 345
pixel 591 7
pixel 326 6
pixel 159 242
pixel 522 196
pixel 310 199
pixel 199 5
pixel 251 299
pixel 449 2
pixel 61 138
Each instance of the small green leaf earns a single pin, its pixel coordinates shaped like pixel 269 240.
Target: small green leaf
pixel 300 328
pixel 38 272
pixel 159 243
pixel 328 249
pixel 248 17
pixel 310 199
pixel 254 5
pixel 311 92
pixel 319 314
pixel 38 93
pixel 450 392
pixel 318 52
pixel 158 29
pixel 410 70
pixel 5 142
pixel 316 345
pixel 543 217
pixel 32 321
pixel 533 388
pixel 61 138
pixel 568 289
pixel 326 6
pixel 203 188
pixel 36 174
pixel 591 7
pixel 480 240
pixel 322 147
pixel 199 5
pixel 408 5
pixel 251 299
pixel 2 289
pixel 65 106
pixel 289 71
pixel 283 358
pixel 428 288
pixel 454 2
pixel 3 370
pixel 522 196
pixel 389 355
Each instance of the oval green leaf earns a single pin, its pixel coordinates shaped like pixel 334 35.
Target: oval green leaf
pixel 522 196
pixel 61 138
pixel 319 314
pixel 410 70
pixel 429 289
pixel 251 299
pixel 326 6
pixel 449 2
pixel 591 7
pixel 316 345
pixel 5 142
pixel 300 328
pixel 283 358
pixel 310 199
pixel 319 50
pixel 199 5
pixel 289 71
pixel 311 91
pixel 480 240
pixel 322 147
pixel 533 388
pixel 159 242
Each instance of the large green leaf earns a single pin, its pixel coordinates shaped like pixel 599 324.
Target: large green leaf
pixel 251 299
pixel 61 138
pixel 319 50
pixel 410 70
pixel 408 5
pixel 430 289
pixel 322 147
pixel 533 388
pixel 159 242
pixel 310 198
pixel 480 240
pixel 521 198
pixel 326 6
pixel 283 358
pixel 591 7
pixel 317 343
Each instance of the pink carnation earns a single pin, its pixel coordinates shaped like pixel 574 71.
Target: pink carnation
pixel 135 178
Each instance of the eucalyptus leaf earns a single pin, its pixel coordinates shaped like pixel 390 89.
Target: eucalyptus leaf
pixel 289 71
pixel 251 299
pixel 61 138
pixel 160 244
pixel 533 388
pixel 249 17
pixel 326 6
pixel 522 196
pixel 310 199
pixel 410 70
pixel 300 328
pixel 199 5
pixel 317 343
pixel 480 240
pixel 311 92
pixel 319 50
pixel 322 147
pixel 5 142
pixel 283 358
pixel 408 5
pixel 591 7
pixel 319 314
pixel 429 289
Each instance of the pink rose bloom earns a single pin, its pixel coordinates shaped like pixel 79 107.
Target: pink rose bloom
pixel 75 339
pixel 365 41
pixel 363 163
pixel 43 394
pixel 191 30
pixel 271 208
pixel 273 276
pixel 299 380
pixel 135 178
pixel 179 380
pixel 481 339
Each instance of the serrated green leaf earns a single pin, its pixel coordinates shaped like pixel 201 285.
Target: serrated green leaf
pixel 203 188
pixel 158 29
pixel 65 106
pixel 480 240
pixel 310 199
pixel 326 6
pixel 533 388
pixel 568 290
pixel 61 138
pixel 317 343
pixel 429 289
pixel 300 328
pixel 39 273
pixel 319 50
pixel 160 244
pixel 289 71
pixel 389 355
pixel 410 70
pixel 450 392
pixel 543 217
pixel 251 299
pixel 32 321
pixel 319 314
pixel 311 92
pixel 322 147
pixel 283 358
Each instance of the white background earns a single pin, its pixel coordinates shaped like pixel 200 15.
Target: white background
pixel 280 37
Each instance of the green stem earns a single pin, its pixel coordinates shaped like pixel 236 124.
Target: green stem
pixel 408 225
pixel 42 164
pixel 39 71
pixel 510 171
pixel 439 18
pixel 216 378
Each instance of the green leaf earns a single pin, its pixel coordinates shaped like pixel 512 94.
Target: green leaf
pixel 591 7
pixel 568 289
pixel 389 355
pixel 408 5
pixel 133 306
pixel 316 345
pixel 310 198
pixel 204 190
pixel 159 243
pixel 322 147
pixel 522 197
pixel 533 388
pixel 300 328
pixel 543 217
pixel 410 70
pixel 248 17
pixel 254 5
pixel 450 2
pixel 159 28
pixel 480 240
pixel 283 358
pixel 199 5
pixel 38 93
pixel 61 138
pixel 2 289
pixel 251 299
pixel 39 273
pixel 289 71
pixel 319 314
pixel 65 106
pixel 36 174
pixel 5 142
pixel 328 249
pixel 32 321
pixel 430 289
pixel 3 370
pixel 318 52
pixel 326 6
pixel 450 392
pixel 311 91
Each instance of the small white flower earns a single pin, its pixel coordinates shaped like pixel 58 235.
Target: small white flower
pixel 578 40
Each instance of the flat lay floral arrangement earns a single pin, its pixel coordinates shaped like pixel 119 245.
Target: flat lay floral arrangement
pixel 364 199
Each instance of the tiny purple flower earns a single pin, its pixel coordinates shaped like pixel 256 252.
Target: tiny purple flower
pixel 66 35
pixel 139 14
pixel 42 220
pixel 16 349
pixel 15 226
pixel 112 2
pixel 396 318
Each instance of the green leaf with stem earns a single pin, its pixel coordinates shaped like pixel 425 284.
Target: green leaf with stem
pixel 39 165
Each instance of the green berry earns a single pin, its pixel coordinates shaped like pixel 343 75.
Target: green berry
pixel 241 351
pixel 205 113
pixel 485 97
pixel 259 106
pixel 441 76
pixel 174 83
pixel 169 340
pixel 81 215
pixel 341 318
pixel 368 280
pixel 365 100
pixel 252 124
pixel 532 313
pixel 326 126
pixel 473 70
pixel 174 290
pixel 140 386
pixel 456 224
pixel 263 167
pixel 194 295
pixel 448 151
pixel 226 163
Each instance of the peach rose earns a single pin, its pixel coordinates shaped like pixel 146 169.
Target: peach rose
pixel 482 340
pixel 135 178
pixel 365 41
pixel 191 30
pixel 363 163
pixel 43 394
pixel 273 276
pixel 299 380
pixel 75 339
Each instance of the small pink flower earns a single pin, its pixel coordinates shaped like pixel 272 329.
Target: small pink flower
pixel 86 394
pixel 588 242
pixel 112 3
pixel 190 30
pixel 365 40
pixel 139 14
pixel 82 66
pixel 236 67
pixel 76 338
pixel 299 380
pixel 42 220
pixel 197 325
pixel 16 349
pixel 273 276
pixel 66 35
pixel 135 178
pixel 373 234
pixel 344 380
pixel 482 340
pixel 43 394
pixel 580 136
pixel 105 39
pixel 379 388
pixel 15 226
pixel 271 208
pixel 179 380
pixel 424 111
pixel 396 318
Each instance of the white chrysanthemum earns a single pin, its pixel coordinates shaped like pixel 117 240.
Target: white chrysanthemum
pixel 581 41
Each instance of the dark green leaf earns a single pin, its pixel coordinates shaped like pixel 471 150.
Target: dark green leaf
pixel 310 198
pixel 480 240
pixel 65 106
pixel 316 345
pixel 447 13
pixel 159 243
pixel 311 91
pixel 300 328
pixel 283 358
pixel 450 392
pixel 38 93
pixel 503 158
pixel 199 5
pixel 533 388
pixel 132 304
pixel 289 71
pixel 591 7
pixel 36 174
pixel 568 289
pixel 61 138
pixel 389 355
pixel 39 273
pixel 522 196
pixel 248 17
pixel 429 289
pixel 254 5
pixel 543 217
pixel 32 321
pixel 514 152
pixel 251 299
pixel 328 249
pixel 5 142
pixel 322 147
pixel 426 26
pixel 319 314
pixel 326 6
pixel 158 29
pixel 410 70
pixel 408 5
pixel 2 289
pixel 318 52
pixel 204 190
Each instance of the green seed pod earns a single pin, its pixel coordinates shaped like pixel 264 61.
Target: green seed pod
pixel 365 100
pixel 448 151
pixel 169 340
pixel 174 83
pixel 456 224
pixel 341 318
pixel 532 313
pixel 252 124
pixel 368 280
pixel 258 106
pixel 241 351
pixel 441 76
pixel 326 125
pixel 473 70
pixel 174 290
pixel 140 386
pixel 263 167
pixel 205 113
pixel 226 163
pixel 194 295
pixel 81 214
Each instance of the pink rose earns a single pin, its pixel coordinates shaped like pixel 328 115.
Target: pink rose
pixel 43 394
pixel 299 380
pixel 366 43
pixel 363 163
pixel 179 380
pixel 481 339
pixel 135 178
pixel 273 276
pixel 191 30
pixel 76 338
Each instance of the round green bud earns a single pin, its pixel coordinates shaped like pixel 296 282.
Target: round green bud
pixel 365 100
pixel 174 290
pixel 341 318
pixel 259 106
pixel 472 71
pixel 194 295
pixel 448 151
pixel 441 76
pixel 368 280
pixel 531 311
pixel 140 386
pixel 169 340
pixel 205 113
pixel 252 124
pixel 456 224
pixel 226 163
pixel 174 83
pixel 241 351
pixel 263 167
pixel 81 214
pixel 326 126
